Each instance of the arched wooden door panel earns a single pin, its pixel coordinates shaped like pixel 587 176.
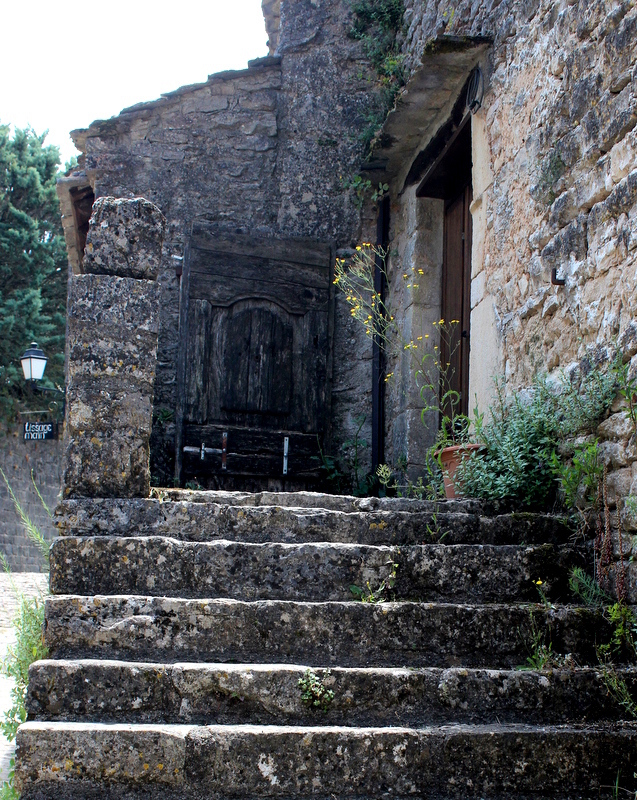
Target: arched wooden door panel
pixel 255 334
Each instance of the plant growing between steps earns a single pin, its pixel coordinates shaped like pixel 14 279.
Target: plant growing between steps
pixel 383 593
pixel 345 475
pixel 540 649
pixel 314 692
pixel 623 638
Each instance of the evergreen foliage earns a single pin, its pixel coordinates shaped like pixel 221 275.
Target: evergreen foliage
pixel 33 271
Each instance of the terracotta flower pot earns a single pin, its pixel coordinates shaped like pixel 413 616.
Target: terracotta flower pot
pixel 451 458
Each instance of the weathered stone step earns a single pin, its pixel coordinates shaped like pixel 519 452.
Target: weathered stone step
pixel 334 502
pixel 69 761
pixel 314 572
pixel 117 691
pixel 324 634
pixel 205 521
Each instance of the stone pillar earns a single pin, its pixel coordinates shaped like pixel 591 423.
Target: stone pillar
pixel 113 321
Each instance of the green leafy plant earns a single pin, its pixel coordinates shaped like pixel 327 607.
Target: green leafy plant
pixel 331 474
pixel 164 415
pixel 377 24
pixel 363 188
pixel 314 692
pixel 7 789
pixel 352 450
pixel 627 385
pixel 579 480
pixel 615 684
pixel 435 379
pixel 540 649
pixel 520 461
pixel 586 587
pixel 539 586
pixel 29 647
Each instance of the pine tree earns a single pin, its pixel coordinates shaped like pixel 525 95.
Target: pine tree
pixel 33 264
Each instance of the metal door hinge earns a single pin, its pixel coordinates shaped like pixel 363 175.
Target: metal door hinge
pixel 286 447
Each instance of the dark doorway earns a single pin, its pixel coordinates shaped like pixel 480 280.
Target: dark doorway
pixel 449 179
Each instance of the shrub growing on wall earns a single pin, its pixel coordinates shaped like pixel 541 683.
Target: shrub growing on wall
pixel 33 271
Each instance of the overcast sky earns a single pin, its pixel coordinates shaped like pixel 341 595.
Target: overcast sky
pixel 68 63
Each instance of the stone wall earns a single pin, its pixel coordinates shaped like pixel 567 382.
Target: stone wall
pixel 554 185
pixel 17 459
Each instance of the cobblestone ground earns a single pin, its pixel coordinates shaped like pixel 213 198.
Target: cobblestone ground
pixel 31 584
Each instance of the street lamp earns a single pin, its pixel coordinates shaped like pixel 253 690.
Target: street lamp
pixel 33 363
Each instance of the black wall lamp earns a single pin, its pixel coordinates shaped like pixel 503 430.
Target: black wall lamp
pixel 33 365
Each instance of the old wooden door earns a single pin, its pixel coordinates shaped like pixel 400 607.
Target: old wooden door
pixel 255 331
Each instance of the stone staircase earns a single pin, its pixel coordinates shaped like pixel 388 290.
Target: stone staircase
pixel 180 626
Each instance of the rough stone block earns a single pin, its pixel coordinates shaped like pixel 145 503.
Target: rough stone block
pixel 108 435
pixel 569 242
pixel 125 238
pixel 137 754
pixel 104 691
pixel 113 326
pixel 112 344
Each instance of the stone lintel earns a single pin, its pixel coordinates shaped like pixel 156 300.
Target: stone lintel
pixel 424 105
